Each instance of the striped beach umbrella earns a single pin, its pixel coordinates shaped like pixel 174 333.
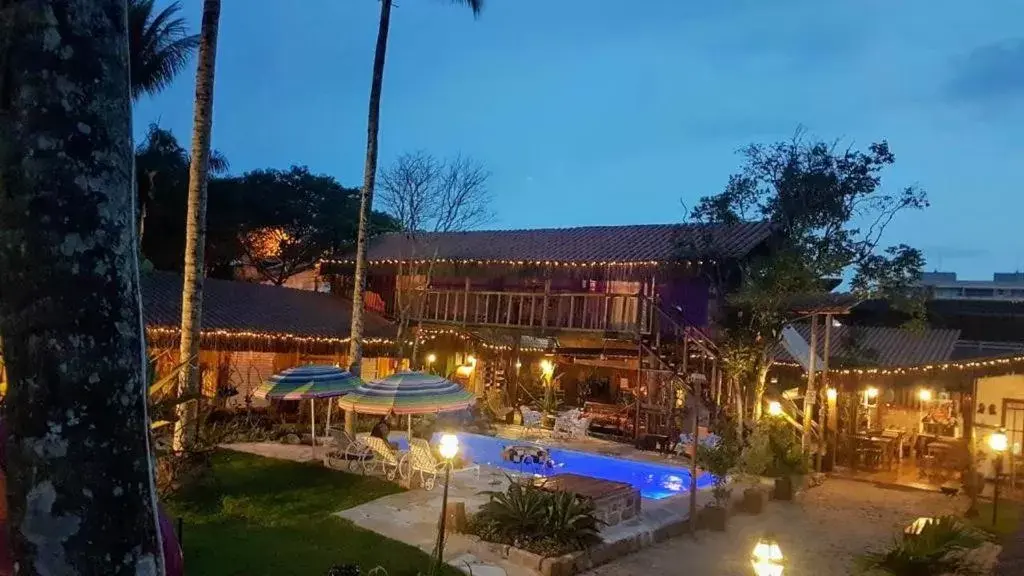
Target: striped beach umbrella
pixel 408 393
pixel 311 382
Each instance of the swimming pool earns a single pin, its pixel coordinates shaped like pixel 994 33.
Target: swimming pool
pixel 654 481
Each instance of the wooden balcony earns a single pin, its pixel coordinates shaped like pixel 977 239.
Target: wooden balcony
pixel 579 312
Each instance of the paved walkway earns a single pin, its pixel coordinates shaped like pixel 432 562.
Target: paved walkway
pixel 1011 560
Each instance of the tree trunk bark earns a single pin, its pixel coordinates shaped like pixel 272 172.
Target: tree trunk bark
pixel 79 476
pixel 366 201
pixel 195 227
pixel 760 385
pixel 812 390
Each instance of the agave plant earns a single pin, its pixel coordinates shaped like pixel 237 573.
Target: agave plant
pixel 570 520
pixel 939 549
pixel 519 511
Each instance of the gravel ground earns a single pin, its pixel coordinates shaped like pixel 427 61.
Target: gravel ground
pixel 819 533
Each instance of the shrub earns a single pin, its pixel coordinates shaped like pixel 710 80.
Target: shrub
pixel 774 450
pixel 720 460
pixel 939 549
pixel 549 523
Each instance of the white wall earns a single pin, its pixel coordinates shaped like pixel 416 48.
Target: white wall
pixel 994 390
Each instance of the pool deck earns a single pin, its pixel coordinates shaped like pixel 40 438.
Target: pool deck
pixel 412 516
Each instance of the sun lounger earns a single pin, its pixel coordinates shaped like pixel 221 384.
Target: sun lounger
pixel 424 462
pixel 347 453
pixel 388 459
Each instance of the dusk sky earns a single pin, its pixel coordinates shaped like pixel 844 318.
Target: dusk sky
pixel 617 112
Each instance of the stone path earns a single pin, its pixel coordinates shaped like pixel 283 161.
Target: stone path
pixel 819 533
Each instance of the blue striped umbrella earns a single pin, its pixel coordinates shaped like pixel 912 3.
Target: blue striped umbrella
pixel 313 381
pixel 408 393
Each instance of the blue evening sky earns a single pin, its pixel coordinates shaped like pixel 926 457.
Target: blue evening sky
pixel 615 111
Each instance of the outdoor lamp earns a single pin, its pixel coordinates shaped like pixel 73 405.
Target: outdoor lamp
pixel 431 358
pixel 518 364
pixel 471 360
pixel 774 408
pixel 925 395
pixel 831 394
pixel 871 392
pixel 547 367
pixel 767 557
pixel 998 441
pixel 449 446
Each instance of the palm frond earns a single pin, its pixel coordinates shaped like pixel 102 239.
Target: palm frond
pixel 160 46
pixel 476 6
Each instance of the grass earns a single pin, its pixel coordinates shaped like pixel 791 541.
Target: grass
pixel 1008 518
pixel 259 516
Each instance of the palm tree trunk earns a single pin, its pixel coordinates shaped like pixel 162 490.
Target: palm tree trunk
pixel 195 226
pixel 355 353
pixel 79 475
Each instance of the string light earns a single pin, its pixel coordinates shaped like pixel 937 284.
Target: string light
pixel 543 263
pixel 165 331
pixel 946 366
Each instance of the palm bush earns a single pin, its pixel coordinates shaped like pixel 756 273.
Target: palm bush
pixel 720 460
pixel 527 517
pixel 939 549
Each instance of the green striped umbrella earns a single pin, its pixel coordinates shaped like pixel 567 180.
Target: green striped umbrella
pixel 408 393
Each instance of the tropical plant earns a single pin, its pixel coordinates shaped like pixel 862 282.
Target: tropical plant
pixel 773 449
pixel 939 549
pixel 370 175
pixel 195 223
pixel 159 45
pixel 545 522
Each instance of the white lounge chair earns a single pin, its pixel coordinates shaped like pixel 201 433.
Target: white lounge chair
pixel 347 452
pixel 388 459
pixel 571 425
pixel 422 460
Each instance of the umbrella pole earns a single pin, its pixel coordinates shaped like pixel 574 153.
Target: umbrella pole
pixel 312 423
pixel 330 404
pixel 410 426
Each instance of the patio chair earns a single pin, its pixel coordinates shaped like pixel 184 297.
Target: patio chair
pixel 388 459
pixel 423 461
pixel 570 426
pixel 348 452
pixel 531 418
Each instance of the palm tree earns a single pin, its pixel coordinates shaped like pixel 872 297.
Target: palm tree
pixel 159 44
pixel 195 224
pixel 70 315
pixel 369 177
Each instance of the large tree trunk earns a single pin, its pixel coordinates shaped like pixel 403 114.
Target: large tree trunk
pixel 760 384
pixel 355 353
pixel 195 226
pixel 79 477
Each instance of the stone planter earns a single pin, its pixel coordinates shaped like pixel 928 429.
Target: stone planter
pixel 753 501
pixel 784 488
pixel 715 517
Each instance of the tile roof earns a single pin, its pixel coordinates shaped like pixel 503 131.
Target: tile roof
pixel 241 306
pixel 884 347
pixel 606 244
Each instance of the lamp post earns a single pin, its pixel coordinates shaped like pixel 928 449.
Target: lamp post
pixel 767 559
pixel 431 358
pixel 998 442
pixel 449 447
pixel 774 408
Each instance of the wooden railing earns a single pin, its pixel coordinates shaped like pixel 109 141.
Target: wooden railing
pixel 585 311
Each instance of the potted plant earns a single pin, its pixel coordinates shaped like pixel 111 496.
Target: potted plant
pixel 754 461
pixel 719 459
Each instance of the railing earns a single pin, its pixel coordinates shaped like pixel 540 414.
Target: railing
pixel 585 311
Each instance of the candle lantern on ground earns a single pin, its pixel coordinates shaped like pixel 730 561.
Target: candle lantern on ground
pixel 767 559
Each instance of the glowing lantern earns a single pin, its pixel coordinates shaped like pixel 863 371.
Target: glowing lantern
pixel 767 558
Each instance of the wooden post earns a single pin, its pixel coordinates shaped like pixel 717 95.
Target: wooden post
pixel 547 294
pixel 828 408
pixel 809 396
pixel 465 304
pixel 696 442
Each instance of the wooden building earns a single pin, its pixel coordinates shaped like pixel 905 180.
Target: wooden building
pixel 251 331
pixel 623 311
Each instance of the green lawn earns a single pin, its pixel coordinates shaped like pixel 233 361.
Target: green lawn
pixel 259 516
pixel 1008 519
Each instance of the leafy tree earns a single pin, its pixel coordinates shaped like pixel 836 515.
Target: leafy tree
pixel 159 44
pixel 369 178
pixel 79 472
pixel 289 220
pixel 829 211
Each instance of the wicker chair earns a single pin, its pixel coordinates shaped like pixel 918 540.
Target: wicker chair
pixel 531 418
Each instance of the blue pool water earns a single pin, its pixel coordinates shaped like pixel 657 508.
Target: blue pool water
pixel 654 481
